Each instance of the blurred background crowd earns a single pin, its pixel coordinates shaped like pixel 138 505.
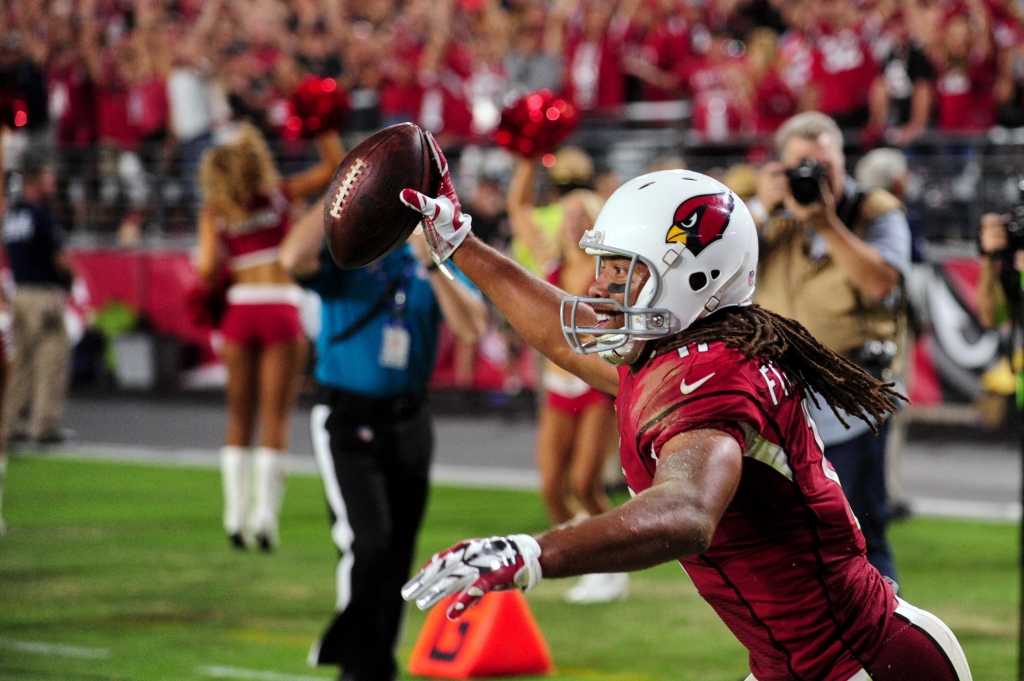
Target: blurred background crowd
pixel 129 92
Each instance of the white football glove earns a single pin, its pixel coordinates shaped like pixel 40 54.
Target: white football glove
pixel 444 223
pixel 474 567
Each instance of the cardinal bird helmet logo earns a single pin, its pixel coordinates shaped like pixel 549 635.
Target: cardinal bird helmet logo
pixel 700 221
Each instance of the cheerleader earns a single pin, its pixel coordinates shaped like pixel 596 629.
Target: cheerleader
pixel 245 216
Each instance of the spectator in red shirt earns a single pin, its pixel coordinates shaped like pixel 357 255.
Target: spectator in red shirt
pixel 594 78
pixel 773 101
pixel 843 67
pixel 488 82
pixel 72 108
pixel 401 94
pixel 463 78
pixel 669 47
pixel 131 105
pixel 796 46
pixel 111 68
pixel 721 89
pixel 966 75
pixel 445 108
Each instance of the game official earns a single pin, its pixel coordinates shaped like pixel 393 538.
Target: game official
pixel 371 431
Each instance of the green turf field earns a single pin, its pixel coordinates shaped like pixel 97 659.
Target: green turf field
pixel 113 571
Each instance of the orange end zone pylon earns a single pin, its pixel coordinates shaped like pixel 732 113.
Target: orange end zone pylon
pixel 496 637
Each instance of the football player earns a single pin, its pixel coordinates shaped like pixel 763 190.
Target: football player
pixel 717 443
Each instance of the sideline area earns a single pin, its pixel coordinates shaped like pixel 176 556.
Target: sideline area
pixel 942 477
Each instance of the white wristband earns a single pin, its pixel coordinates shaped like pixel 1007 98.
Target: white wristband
pixel 530 574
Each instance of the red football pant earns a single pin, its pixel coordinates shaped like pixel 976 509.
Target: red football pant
pixel 918 647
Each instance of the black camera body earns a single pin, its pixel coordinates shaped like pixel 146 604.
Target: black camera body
pixel 876 357
pixel 805 181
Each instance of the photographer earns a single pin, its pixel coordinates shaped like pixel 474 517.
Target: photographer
pixel 833 257
pixel 1000 282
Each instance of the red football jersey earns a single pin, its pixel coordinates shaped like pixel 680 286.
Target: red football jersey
pixel 786 569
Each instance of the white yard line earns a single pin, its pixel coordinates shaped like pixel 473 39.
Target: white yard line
pixel 155 456
pixel 54 649
pixel 218 672
pixel 461 476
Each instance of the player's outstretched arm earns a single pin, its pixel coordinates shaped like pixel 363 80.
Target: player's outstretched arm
pixel 300 250
pixel 533 308
pixel 531 305
pixel 697 477
pixel 698 473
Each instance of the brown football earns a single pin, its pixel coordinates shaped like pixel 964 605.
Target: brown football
pixel 364 220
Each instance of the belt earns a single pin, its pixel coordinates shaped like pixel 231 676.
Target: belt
pixel 350 407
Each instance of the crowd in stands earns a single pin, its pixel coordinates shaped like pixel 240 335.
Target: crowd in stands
pixel 128 86
pixel 125 71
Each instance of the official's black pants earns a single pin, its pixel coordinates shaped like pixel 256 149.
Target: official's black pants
pixel 374 459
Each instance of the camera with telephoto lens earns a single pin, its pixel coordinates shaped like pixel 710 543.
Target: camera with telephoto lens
pixel 805 181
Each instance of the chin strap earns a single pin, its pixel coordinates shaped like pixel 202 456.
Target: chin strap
pixel 624 354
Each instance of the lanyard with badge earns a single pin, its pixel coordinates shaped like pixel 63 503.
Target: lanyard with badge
pixel 396 339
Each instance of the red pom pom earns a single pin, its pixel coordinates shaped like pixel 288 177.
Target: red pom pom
pixel 317 105
pixel 536 124
pixel 206 304
pixel 13 110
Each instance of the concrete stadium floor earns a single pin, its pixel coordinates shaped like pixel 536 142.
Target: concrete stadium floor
pixel 961 475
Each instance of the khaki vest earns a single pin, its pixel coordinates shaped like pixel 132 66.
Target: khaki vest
pixel 816 292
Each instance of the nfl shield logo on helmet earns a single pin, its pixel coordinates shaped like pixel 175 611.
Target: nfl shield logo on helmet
pixel 700 221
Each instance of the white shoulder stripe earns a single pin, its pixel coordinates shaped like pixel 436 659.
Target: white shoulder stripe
pixel 766 452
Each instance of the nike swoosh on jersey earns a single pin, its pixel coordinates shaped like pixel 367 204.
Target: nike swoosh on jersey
pixel 689 388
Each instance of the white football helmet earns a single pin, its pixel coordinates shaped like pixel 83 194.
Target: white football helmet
pixel 699 242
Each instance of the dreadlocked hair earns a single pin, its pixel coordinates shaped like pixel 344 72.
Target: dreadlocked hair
pixel 809 365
